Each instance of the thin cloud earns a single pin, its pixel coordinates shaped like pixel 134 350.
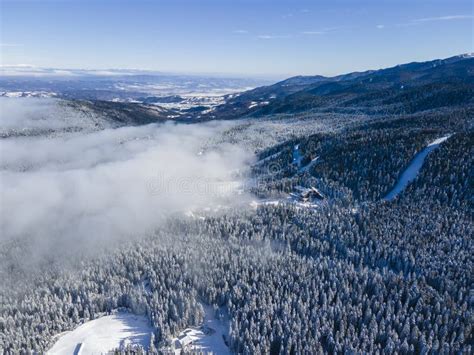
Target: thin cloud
pixel 273 36
pixel 444 18
pixel 420 21
pixel 380 26
pixel 322 31
pixel 240 32
pixel 313 33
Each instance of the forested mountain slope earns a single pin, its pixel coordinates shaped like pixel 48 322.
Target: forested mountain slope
pixel 340 271
pixel 405 88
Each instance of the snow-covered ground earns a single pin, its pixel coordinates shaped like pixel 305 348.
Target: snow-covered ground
pixel 208 338
pixel 99 336
pixel 413 169
pixel 258 103
pixel 27 94
pixel 190 101
pixel 291 199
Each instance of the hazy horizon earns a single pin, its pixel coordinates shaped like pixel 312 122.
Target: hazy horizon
pixel 111 72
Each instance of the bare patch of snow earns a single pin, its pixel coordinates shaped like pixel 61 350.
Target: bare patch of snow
pixel 291 199
pixel 105 334
pixel 42 94
pixel 255 104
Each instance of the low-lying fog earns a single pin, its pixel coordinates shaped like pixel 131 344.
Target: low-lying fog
pixel 90 188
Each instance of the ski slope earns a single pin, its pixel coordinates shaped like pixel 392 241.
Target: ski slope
pixel 99 336
pixel 411 172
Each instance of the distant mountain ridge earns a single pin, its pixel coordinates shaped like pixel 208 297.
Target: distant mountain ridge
pixel 426 85
pixel 402 89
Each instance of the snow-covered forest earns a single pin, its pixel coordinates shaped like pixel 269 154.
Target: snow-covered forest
pixel 302 255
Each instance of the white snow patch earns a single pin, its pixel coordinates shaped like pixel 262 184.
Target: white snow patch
pixel 291 199
pixel 438 141
pixel 99 336
pixel 266 202
pixel 207 339
pixel 42 94
pixel 411 172
pixel 255 104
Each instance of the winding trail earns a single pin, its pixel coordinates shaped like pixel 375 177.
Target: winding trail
pixel 413 169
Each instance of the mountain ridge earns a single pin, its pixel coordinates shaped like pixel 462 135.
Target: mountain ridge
pixel 440 78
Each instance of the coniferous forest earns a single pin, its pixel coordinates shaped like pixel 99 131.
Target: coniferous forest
pixel 316 258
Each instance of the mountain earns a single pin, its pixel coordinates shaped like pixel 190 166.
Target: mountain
pixel 139 98
pixel 333 215
pixel 404 88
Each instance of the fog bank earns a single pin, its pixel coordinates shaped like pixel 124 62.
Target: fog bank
pixel 86 189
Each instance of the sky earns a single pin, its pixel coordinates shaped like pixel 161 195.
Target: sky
pixel 240 37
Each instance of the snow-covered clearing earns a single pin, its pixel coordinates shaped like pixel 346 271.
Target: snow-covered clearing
pixel 207 339
pixel 413 169
pixel 291 199
pixel 99 336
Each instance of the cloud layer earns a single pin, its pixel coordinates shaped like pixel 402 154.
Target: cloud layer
pixel 94 188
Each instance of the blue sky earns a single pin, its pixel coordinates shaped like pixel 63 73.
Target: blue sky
pixel 233 36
